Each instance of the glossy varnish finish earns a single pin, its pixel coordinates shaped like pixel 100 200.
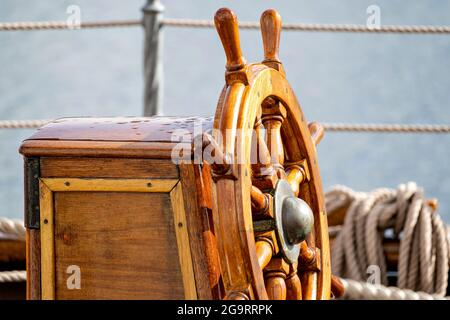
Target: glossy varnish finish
pixel 125 129
pixel 120 213
pixel 258 94
pixel 141 221
pixel 198 231
pixel 131 137
pixel 73 167
pixel 127 256
pixel 115 229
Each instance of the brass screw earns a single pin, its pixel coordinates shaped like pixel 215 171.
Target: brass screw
pixel 67 183
pixel 45 221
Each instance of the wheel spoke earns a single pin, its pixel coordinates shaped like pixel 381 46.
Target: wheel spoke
pixel 264 251
pixel 264 175
pixel 260 202
pixel 295 177
pixel 261 160
pixel 272 118
pixel 293 284
pixel 307 254
pixel 274 142
pixel 276 287
pixel 309 285
pixel 271 29
pixel 275 275
pixel 309 266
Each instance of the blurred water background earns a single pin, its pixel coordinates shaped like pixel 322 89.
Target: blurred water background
pixel 337 77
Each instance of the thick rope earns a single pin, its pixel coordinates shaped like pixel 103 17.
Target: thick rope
pixel 356 290
pixel 63 25
pixel 186 23
pixel 389 128
pixel 424 245
pixel 332 127
pixel 13 276
pixel 189 23
pixel 12 228
pixel 22 124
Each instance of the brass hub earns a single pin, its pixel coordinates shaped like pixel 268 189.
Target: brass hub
pixel 294 220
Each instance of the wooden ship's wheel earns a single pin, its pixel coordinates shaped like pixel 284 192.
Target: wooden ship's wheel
pixel 269 213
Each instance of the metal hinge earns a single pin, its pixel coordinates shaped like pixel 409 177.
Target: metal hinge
pixel 32 210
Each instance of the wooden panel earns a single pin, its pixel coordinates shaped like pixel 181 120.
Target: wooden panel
pixel 124 244
pixel 73 167
pixel 120 185
pixel 184 251
pixel 47 243
pixel 74 148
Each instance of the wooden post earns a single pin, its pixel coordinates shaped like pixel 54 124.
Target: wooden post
pixel 153 68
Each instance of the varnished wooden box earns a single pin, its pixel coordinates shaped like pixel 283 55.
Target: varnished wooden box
pixel 105 195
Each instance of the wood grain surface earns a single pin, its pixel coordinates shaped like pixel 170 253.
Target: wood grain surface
pixel 124 244
pixel 77 167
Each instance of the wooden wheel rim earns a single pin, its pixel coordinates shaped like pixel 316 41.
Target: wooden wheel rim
pixel 233 218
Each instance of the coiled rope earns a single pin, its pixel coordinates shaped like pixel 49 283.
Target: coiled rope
pixel 12 228
pixel 189 23
pixel 331 127
pixel 13 276
pixel 424 245
pixel 356 290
